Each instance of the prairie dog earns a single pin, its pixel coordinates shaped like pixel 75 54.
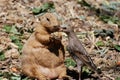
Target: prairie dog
pixel 43 53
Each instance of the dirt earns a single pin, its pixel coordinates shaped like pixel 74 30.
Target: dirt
pixel 84 20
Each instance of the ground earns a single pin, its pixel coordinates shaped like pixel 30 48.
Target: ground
pixel 17 18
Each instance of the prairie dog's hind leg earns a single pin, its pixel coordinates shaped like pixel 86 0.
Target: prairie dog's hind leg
pixel 63 75
pixel 33 71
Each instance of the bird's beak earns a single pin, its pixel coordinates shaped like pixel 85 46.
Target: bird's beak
pixel 62 28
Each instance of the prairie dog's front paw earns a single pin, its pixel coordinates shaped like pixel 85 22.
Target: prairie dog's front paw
pixel 56 36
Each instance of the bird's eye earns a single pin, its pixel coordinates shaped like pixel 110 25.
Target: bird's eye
pixel 39 19
pixel 64 28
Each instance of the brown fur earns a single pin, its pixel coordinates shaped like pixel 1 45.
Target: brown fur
pixel 43 54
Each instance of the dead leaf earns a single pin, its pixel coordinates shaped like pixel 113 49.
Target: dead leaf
pixel 118 63
pixel 14 69
pixel 12 53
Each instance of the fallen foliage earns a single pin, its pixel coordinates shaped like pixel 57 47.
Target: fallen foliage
pixel 98 31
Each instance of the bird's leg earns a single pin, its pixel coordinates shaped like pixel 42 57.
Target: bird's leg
pixel 79 65
pixel 79 68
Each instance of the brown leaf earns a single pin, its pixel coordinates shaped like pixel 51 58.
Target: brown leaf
pixel 12 53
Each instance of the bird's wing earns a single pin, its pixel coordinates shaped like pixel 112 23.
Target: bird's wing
pixel 80 48
pixel 75 57
pixel 76 52
pixel 75 47
pixel 83 57
pixel 86 60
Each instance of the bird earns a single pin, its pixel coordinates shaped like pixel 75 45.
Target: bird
pixel 78 52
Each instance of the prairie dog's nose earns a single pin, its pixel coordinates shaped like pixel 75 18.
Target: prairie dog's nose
pixel 57 27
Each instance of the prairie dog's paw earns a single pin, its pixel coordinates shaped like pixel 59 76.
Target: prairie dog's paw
pixel 56 36
pixel 66 78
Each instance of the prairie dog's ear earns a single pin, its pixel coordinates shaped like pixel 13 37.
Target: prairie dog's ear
pixel 36 25
pixel 50 17
pixel 44 21
pixel 43 18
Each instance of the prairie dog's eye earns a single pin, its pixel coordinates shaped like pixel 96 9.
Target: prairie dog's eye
pixel 48 19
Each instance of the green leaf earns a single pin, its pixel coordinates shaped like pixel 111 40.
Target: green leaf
pixel 44 8
pixel 83 2
pixel 113 5
pixel 110 19
pixel 9 76
pixel 14 30
pixel 86 69
pixel 7 28
pixel 2 56
pixel 117 47
pixel 110 32
pixel 70 62
pixel 104 33
pixel 1 74
pixel 36 10
pixel 26 78
pixel 47 6
pixel 1 78
pixel 100 43
pixel 10 29
pixel 19 44
pixel 15 39
pixel 118 78
pixel 15 78
pixel 82 17
pixel 110 22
